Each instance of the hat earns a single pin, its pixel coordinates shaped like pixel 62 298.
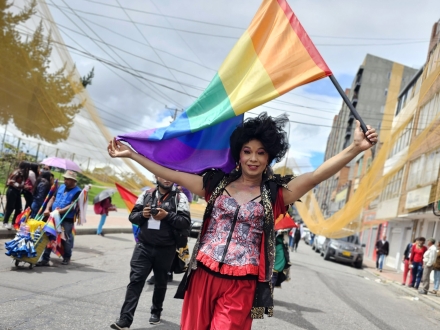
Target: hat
pixel 70 175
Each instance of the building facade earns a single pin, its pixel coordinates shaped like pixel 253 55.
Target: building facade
pixel 373 93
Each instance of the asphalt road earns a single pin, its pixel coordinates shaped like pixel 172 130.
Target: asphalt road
pixel 88 294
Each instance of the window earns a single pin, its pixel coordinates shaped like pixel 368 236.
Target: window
pixel 431 167
pixel 415 169
pixel 359 163
pixel 403 140
pixel 386 92
pixel 392 188
pixel 428 112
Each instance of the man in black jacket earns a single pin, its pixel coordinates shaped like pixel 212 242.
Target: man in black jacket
pixel 382 250
pixel 162 214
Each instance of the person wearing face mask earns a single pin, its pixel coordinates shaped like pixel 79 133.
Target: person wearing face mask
pixel 228 281
pixel 416 262
pixel 162 214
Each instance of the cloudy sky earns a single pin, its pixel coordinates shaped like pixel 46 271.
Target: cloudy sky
pixel 151 56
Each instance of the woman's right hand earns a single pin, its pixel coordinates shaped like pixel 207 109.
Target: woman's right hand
pixel 117 149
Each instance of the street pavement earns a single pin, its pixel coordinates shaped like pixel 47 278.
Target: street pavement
pixel 88 294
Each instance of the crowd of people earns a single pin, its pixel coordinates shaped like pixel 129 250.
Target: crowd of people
pixel 419 262
pixel 30 181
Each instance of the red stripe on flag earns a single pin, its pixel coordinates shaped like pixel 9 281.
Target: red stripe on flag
pixel 304 37
pixel 127 196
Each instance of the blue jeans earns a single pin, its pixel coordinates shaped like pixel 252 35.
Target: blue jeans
pixel 290 241
pixel 436 280
pixel 417 272
pixel 380 260
pixel 101 223
pixel 67 244
pixel 35 207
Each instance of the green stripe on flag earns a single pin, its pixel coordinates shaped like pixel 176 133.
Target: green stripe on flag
pixel 212 107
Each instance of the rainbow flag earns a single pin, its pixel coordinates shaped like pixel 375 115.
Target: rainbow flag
pixel 130 200
pixel 273 56
pixel 51 192
pixel 50 227
pixel 22 217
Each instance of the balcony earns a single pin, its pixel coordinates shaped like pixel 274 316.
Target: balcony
pixel 354 100
pixel 350 120
pixel 357 87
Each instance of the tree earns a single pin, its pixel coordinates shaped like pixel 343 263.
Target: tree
pixel 40 101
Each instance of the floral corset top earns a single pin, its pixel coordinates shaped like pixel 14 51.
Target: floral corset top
pixel 232 242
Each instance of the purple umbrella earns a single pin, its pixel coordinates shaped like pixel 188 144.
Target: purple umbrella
pixel 65 164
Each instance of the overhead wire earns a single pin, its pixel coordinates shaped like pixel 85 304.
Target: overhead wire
pixel 146 40
pixel 148 86
pixel 233 37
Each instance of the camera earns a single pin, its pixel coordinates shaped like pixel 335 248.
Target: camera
pixel 154 210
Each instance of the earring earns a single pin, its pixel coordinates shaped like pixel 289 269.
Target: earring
pixel 265 170
pixel 238 167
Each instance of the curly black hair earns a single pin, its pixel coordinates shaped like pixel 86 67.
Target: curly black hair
pixel 266 129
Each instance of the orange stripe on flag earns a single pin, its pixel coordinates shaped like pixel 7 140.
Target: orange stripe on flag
pixel 127 196
pixel 281 42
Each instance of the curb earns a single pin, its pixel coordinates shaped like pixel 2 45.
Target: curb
pixel 10 234
pixel 431 302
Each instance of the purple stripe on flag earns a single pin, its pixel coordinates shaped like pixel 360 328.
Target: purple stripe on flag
pixel 190 152
pixel 178 156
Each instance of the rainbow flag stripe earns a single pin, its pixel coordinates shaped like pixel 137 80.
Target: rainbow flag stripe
pixel 273 56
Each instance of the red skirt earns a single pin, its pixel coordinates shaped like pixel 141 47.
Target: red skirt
pixel 214 303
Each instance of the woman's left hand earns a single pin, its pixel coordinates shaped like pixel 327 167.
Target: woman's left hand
pixel 364 141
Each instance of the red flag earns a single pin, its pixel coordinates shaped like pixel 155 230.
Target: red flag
pixel 127 196
pixel 284 221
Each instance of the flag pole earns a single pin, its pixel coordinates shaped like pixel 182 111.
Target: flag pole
pixel 348 103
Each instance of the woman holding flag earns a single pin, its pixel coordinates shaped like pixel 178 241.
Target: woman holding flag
pixel 228 281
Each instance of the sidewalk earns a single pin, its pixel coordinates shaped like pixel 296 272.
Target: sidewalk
pixel 117 222
pixel 392 277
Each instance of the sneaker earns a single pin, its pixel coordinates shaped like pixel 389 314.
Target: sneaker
pixel 151 280
pixel 65 262
pixel 380 270
pixel 43 263
pixel 8 226
pixel 154 318
pixel 120 325
pixel 423 292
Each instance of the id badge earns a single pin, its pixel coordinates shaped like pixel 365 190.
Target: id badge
pixel 153 224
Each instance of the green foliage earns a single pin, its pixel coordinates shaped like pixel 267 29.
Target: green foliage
pixel 39 101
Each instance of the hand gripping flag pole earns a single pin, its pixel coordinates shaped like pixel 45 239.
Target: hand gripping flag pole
pixel 349 104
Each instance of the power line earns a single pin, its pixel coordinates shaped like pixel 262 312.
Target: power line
pixel 242 28
pixel 232 37
pixel 145 38
pixel 157 91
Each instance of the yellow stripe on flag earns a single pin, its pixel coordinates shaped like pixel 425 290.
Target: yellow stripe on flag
pixel 285 59
pixel 244 77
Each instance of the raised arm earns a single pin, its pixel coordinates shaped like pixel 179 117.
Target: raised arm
pixel 305 182
pixel 192 182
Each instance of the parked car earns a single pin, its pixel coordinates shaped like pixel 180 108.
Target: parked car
pixel 318 243
pixel 196 226
pixel 347 249
pixel 306 235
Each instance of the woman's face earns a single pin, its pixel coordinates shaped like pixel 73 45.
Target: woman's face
pixel 253 158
